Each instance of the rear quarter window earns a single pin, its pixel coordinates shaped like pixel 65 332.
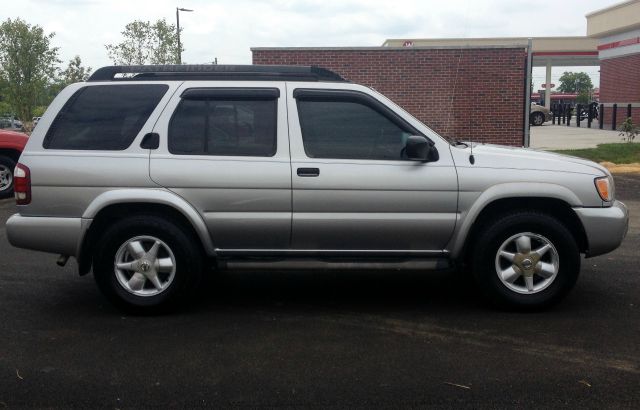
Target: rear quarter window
pixel 103 117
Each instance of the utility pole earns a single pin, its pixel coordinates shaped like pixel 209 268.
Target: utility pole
pixel 178 10
pixel 527 96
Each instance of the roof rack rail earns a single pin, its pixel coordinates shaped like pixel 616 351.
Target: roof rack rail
pixel 214 72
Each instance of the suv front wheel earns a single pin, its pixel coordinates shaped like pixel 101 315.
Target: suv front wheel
pixel 537 118
pixel 526 260
pixel 146 264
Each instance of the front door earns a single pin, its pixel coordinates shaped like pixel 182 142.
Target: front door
pixel 353 187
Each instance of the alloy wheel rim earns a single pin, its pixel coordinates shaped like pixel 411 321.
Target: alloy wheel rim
pixel 538 120
pixel 145 266
pixel 527 263
pixel 6 178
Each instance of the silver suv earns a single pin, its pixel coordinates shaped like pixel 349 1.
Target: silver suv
pixel 149 175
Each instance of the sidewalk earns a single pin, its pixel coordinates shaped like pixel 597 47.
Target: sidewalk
pixel 553 137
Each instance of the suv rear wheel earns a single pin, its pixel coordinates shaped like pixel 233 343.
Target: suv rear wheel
pixel 526 260
pixel 7 165
pixel 146 264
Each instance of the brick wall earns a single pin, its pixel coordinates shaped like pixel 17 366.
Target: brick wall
pixel 620 83
pixel 472 93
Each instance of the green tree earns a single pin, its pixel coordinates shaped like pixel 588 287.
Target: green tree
pixel 578 83
pixel 583 97
pixel 146 43
pixel 27 64
pixel 75 72
pixel 5 107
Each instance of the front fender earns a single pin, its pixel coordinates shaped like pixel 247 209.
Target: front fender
pixel 471 205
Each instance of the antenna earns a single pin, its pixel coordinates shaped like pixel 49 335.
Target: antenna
pixel 472 159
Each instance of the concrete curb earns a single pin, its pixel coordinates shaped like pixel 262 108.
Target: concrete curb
pixel 622 168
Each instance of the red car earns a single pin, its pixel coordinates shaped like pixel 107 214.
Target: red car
pixel 11 145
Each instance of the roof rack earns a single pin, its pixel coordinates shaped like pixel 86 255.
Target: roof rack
pixel 214 72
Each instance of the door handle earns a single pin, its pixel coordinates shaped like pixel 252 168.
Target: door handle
pixel 308 172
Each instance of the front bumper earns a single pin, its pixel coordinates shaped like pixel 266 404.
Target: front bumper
pixel 47 234
pixel 605 227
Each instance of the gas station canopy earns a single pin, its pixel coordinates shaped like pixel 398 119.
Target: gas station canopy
pixel 559 51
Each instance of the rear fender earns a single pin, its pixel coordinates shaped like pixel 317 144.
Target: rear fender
pixel 155 196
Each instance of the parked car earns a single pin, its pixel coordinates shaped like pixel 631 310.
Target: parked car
pixel 11 145
pixel 11 123
pixel 539 114
pixel 150 179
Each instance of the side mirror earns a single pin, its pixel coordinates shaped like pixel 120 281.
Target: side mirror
pixel 418 148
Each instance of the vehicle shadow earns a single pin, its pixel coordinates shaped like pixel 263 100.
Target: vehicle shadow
pixel 360 290
pixel 440 293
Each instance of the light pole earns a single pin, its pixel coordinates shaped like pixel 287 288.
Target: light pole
pixel 178 10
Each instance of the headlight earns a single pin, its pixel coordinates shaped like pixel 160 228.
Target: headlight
pixel 604 186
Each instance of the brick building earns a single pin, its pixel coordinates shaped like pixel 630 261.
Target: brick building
pixel 617 29
pixel 475 89
pixel 475 93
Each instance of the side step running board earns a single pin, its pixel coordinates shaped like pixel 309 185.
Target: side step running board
pixel 305 264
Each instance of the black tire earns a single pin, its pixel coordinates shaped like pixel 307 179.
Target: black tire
pixel 537 118
pixel 495 233
pixel 6 164
pixel 188 264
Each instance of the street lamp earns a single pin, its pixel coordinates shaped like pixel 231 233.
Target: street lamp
pixel 178 10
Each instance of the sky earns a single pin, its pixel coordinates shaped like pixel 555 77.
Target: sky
pixel 227 29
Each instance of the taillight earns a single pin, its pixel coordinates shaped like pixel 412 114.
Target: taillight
pixel 22 184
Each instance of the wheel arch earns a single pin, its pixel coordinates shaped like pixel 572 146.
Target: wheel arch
pixel 553 200
pixel 14 154
pixel 119 203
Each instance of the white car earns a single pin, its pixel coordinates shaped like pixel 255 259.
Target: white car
pixel 539 114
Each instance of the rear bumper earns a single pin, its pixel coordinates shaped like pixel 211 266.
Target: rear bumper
pixel 605 227
pixel 54 235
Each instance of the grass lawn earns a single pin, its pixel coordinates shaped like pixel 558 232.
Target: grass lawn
pixel 621 153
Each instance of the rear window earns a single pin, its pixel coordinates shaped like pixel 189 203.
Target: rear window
pixel 104 117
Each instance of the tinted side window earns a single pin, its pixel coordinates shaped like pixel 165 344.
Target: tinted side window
pixel 104 117
pixel 349 130
pixel 224 127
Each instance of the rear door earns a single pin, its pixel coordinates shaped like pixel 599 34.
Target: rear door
pixel 224 148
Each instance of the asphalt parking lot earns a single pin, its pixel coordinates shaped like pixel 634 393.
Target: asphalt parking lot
pixel 338 339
